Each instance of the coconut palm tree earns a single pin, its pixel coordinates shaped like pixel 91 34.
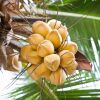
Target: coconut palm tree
pixel 82 19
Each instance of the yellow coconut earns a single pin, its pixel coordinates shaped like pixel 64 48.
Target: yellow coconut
pixel 25 50
pixel 66 57
pixel 42 71
pixel 52 61
pixel 62 46
pixel 58 77
pixel 54 24
pixel 73 63
pixel 31 73
pixel 70 46
pixel 70 69
pixel 34 58
pixel 45 48
pixel 63 32
pixel 35 39
pixel 29 55
pixel 41 27
pixel 55 37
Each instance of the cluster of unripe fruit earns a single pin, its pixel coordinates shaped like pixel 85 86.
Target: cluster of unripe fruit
pixel 49 52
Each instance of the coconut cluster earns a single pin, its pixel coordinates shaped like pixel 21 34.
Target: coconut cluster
pixel 50 54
